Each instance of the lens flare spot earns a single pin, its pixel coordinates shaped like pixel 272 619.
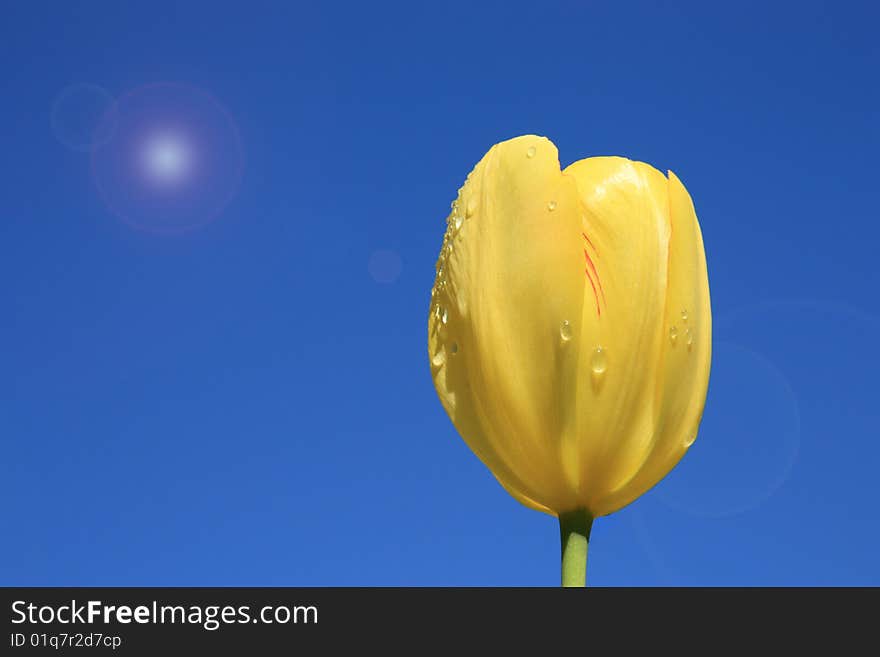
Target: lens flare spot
pixel 174 162
pixel 385 265
pixel 82 117
pixel 166 158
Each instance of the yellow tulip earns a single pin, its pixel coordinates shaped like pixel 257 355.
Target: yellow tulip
pixel 569 334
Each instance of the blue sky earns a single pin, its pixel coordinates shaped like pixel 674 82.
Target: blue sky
pixel 249 402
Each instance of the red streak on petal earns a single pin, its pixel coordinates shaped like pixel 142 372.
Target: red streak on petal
pixel 591 271
pixel 595 273
pixel 590 243
pixel 593 285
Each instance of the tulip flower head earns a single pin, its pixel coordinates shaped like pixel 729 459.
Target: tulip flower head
pixel 570 328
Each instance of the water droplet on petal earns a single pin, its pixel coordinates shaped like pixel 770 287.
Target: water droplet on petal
pixel 444 315
pixel 439 358
pixel 456 222
pixel 690 441
pixel 599 361
pixel 469 210
pixel 673 334
pixel 531 152
pixel 551 206
pixel 684 315
pixel 690 337
pixel 565 330
pixel 453 348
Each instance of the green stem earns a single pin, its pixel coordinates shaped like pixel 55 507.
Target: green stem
pixel 574 530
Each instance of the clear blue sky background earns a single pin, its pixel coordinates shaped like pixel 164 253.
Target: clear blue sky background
pixel 245 404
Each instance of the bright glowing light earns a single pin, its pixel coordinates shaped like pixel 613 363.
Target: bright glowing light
pixel 174 162
pixel 167 158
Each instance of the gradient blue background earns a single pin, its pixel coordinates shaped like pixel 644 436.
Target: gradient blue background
pixel 246 405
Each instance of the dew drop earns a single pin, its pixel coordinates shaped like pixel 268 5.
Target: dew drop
pixel 439 358
pixel 469 209
pixel 531 152
pixel 551 206
pixel 565 330
pixel 690 441
pixel 673 334
pixel 444 315
pixel 456 222
pixel 684 315
pixel 453 348
pixel 599 361
pixel 690 337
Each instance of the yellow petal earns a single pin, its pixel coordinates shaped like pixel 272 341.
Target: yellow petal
pixel 508 278
pixel 626 227
pixel 687 351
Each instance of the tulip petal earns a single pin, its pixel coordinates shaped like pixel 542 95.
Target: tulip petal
pixel 510 276
pixel 625 220
pixel 680 393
